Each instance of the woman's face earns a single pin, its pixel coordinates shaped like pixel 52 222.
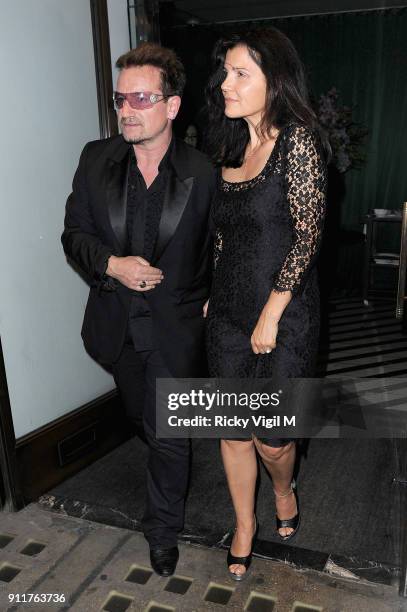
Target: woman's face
pixel 244 87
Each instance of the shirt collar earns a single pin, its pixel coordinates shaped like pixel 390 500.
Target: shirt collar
pixel 166 159
pixel 180 159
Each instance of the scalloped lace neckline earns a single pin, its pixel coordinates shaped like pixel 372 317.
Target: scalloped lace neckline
pixel 269 159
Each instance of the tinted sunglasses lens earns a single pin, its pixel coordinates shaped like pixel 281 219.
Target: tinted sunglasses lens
pixel 140 100
pixel 137 100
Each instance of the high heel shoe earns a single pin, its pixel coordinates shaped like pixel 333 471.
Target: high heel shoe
pixel 245 561
pixel 292 523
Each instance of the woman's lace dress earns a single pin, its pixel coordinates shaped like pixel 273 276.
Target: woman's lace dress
pixel 267 234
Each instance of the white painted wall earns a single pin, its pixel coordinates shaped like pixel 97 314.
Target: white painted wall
pixel 49 111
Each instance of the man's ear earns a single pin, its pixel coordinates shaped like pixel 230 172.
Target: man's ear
pixel 173 106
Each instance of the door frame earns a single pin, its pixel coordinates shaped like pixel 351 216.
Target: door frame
pixel 11 498
pixel 103 68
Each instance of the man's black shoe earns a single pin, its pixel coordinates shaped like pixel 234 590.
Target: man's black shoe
pixel 164 560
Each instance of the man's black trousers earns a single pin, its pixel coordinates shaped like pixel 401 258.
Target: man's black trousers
pixel 135 374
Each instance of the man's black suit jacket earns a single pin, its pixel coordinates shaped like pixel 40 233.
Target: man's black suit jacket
pixel 95 228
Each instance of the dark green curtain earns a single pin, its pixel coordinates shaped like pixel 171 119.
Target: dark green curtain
pixel 364 55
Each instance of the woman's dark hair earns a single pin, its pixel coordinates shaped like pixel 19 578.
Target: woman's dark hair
pixel 287 97
pixel 152 54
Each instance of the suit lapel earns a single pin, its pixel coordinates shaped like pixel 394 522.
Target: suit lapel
pixel 175 199
pixel 177 192
pixel 116 195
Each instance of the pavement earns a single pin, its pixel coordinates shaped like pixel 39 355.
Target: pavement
pixel 49 561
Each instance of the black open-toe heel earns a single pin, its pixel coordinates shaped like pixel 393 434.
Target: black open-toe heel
pixel 245 561
pixel 292 523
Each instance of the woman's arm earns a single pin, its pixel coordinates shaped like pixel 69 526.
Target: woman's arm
pixel 306 194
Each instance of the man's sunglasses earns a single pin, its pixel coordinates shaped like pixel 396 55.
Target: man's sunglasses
pixel 139 100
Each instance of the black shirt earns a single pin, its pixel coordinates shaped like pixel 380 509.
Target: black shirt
pixel 144 206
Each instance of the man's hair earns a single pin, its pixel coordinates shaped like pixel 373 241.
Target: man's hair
pixel 151 54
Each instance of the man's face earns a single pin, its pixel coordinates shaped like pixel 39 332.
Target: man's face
pixel 138 126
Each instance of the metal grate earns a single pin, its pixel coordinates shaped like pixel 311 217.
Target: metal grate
pixel 218 593
pixel 117 602
pixel 301 607
pixel 258 602
pixel 139 574
pixel 5 539
pixel 178 584
pixel 32 548
pixel 8 572
pixel 156 607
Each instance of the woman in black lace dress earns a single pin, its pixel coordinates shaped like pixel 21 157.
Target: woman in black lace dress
pixel 263 313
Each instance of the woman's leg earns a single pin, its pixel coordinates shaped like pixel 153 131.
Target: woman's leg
pixel 279 462
pixel 240 463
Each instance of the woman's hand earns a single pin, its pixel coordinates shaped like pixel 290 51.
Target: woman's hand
pixel 265 333
pixel 205 309
pixel 264 336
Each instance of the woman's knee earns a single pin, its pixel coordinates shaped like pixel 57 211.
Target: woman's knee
pixel 273 453
pixel 237 446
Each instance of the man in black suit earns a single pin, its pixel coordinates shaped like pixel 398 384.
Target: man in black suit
pixel 137 224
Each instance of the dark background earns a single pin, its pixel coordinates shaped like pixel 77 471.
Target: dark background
pixel 363 55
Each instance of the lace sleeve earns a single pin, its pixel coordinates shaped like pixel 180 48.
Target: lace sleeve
pixel 306 194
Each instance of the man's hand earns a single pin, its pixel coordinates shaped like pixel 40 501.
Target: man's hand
pixel 132 271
